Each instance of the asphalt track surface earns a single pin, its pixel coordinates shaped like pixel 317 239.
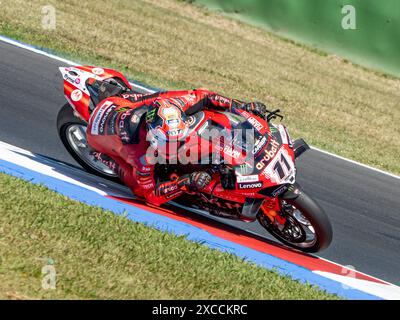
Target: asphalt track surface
pixel 363 205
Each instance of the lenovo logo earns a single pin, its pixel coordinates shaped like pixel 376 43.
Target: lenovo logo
pixel 250 185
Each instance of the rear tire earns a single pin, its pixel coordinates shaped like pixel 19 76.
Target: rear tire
pixel 65 119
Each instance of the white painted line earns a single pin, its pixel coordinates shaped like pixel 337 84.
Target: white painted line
pixel 358 272
pixel 356 162
pixel 140 87
pixel 38 51
pixel 388 292
pixel 54 57
pixel 25 159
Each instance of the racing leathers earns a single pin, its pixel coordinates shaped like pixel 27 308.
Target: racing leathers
pixel 117 131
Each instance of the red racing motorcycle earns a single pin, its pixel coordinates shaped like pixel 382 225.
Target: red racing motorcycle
pixel 251 181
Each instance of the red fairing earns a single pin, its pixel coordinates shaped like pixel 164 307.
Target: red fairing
pixel 75 89
pixel 78 99
pixel 105 73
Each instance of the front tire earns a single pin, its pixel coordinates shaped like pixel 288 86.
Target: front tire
pixel 306 215
pixel 67 121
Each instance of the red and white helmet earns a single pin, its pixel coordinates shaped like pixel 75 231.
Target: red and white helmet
pixel 167 126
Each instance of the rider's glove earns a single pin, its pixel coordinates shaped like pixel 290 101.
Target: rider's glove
pixel 256 108
pixel 195 181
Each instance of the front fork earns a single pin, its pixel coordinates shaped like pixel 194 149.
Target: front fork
pixel 272 207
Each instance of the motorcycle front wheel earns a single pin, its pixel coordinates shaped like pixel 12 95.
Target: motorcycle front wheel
pixel 307 227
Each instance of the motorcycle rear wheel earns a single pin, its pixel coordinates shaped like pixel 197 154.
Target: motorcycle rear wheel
pixel 72 132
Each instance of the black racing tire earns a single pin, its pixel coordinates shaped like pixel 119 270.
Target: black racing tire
pixel 66 118
pixel 315 215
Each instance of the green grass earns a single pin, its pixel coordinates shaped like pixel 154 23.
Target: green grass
pixel 98 255
pixel 333 104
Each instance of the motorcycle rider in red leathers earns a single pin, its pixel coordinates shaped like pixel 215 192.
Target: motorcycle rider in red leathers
pixel 121 126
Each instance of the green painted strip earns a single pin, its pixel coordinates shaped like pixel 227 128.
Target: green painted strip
pixel 373 43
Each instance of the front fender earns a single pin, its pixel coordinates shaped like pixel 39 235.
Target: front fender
pixel 292 192
pixel 299 147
